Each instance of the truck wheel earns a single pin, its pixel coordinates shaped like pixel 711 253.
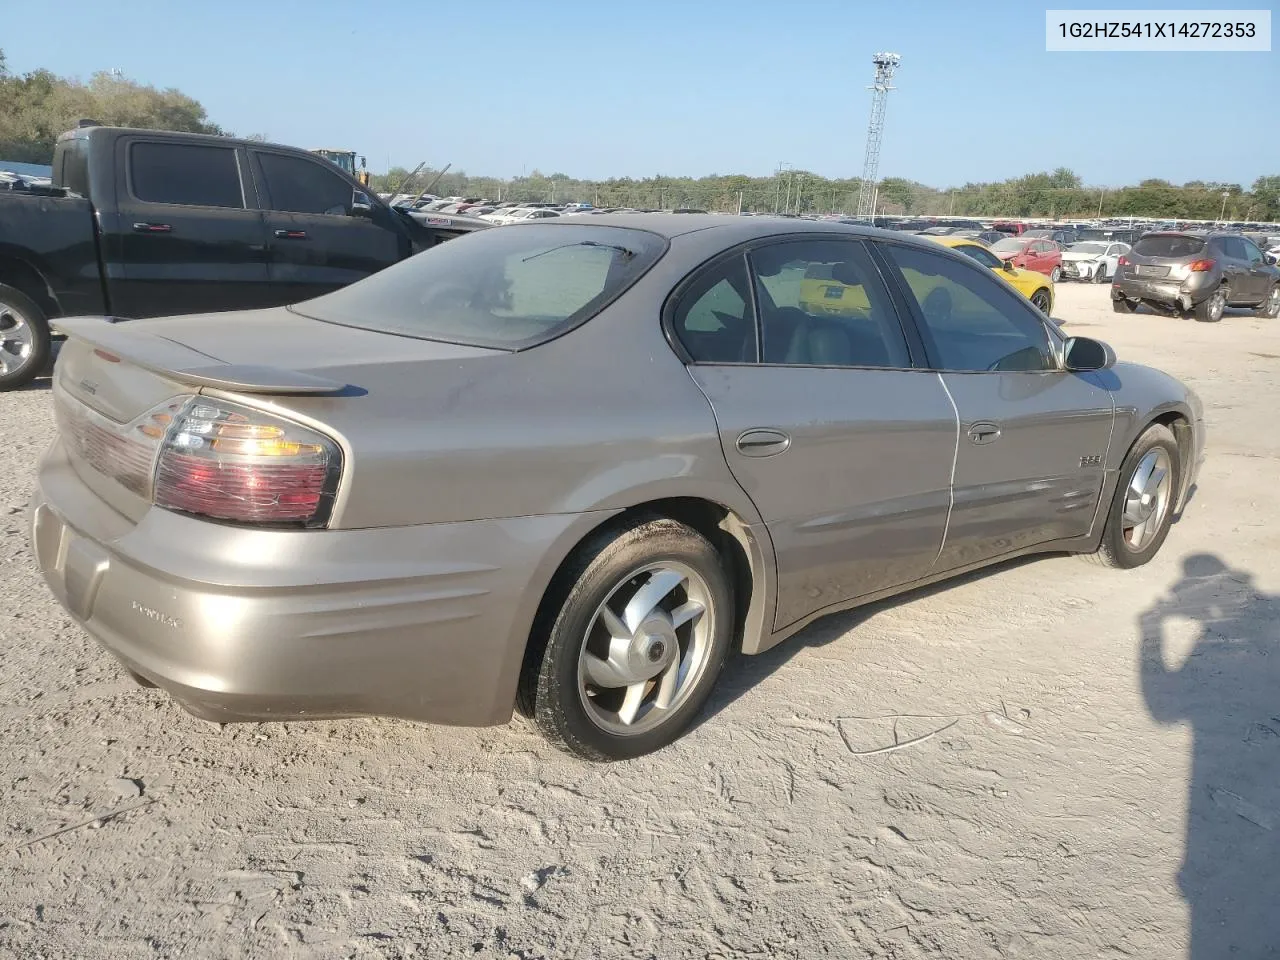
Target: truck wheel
pixel 24 338
pixel 1270 308
pixel 1209 310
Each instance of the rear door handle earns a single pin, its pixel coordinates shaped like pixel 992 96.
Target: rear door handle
pixel 291 234
pixel 153 228
pixel 760 442
pixel 984 432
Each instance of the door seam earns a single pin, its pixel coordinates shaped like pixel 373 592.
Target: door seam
pixel 951 485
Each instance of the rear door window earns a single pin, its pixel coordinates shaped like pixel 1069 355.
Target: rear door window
pixel 189 174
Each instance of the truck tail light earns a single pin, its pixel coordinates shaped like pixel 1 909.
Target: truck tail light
pixel 230 462
pixel 1201 266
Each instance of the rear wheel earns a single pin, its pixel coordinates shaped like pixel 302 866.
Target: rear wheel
pixel 24 338
pixel 1209 310
pixel 1124 306
pixel 1042 301
pixel 641 632
pixel 1142 506
pixel 1055 274
pixel 1270 307
pixel 1100 274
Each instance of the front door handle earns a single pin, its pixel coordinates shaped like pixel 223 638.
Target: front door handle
pixel 291 234
pixel 153 228
pixel 761 442
pixel 984 432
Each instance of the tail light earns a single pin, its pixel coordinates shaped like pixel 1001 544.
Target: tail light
pixel 1201 266
pixel 230 462
pixel 1123 261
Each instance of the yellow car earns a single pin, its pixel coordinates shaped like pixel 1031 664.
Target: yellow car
pixel 821 293
pixel 1036 287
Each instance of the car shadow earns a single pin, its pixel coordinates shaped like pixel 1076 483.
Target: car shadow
pixel 743 673
pixel 1227 690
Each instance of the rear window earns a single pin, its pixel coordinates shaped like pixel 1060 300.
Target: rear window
pixel 510 288
pixel 1168 245
pixel 185 173
pixel 1008 246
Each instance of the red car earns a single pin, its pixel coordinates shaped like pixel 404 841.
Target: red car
pixel 1031 253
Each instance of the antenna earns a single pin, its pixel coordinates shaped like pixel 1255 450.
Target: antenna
pixel 886 64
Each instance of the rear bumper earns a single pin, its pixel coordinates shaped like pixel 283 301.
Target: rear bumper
pixel 426 623
pixel 1171 293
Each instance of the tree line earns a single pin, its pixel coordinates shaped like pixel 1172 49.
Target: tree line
pixel 35 107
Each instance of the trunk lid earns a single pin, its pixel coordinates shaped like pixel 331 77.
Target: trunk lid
pixel 112 378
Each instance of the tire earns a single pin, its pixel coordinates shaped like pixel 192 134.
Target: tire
pixel 1209 310
pixel 1042 300
pixel 24 339
pixel 1119 547
pixel 616 567
pixel 1055 274
pixel 1269 308
pixel 1100 275
pixel 1124 306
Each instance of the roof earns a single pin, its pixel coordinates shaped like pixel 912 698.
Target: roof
pixel 729 228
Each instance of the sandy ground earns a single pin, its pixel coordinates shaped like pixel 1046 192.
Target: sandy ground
pixel 1077 768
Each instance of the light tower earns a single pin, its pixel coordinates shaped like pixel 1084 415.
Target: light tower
pixel 886 64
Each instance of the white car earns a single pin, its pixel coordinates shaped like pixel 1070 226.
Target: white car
pixel 519 215
pixel 1094 260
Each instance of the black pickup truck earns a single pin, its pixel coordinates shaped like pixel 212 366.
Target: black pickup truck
pixel 144 223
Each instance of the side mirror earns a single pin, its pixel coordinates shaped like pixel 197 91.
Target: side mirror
pixel 361 206
pixel 1271 259
pixel 1082 354
pixel 1007 266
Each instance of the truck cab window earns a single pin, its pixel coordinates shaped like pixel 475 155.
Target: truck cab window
pixel 184 173
pixel 297 185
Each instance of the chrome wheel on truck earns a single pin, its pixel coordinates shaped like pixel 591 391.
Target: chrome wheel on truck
pixel 24 338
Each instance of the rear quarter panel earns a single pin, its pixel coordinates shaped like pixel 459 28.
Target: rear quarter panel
pixel 55 238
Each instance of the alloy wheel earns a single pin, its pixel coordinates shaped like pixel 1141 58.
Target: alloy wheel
pixel 1040 300
pixel 17 340
pixel 646 648
pixel 1147 498
pixel 1217 304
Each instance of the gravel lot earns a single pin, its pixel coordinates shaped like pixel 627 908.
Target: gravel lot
pixel 1090 794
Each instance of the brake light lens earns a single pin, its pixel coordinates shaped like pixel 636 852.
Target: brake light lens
pixel 1201 266
pixel 230 462
pixel 1123 261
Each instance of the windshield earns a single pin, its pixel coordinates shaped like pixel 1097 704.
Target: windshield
pixel 1008 245
pixel 1093 249
pixel 511 288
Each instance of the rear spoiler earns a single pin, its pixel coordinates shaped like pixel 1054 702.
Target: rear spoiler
pixel 115 341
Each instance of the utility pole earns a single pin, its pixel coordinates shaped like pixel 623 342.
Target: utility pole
pixel 799 189
pixel 1100 196
pixel 1223 215
pixel 886 64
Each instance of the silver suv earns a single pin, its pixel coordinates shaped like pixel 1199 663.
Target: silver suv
pixel 1196 273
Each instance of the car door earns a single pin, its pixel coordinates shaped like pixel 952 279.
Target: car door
pixel 1261 275
pixel 844 448
pixel 316 241
pixel 185 236
pixel 1033 437
pixel 1235 268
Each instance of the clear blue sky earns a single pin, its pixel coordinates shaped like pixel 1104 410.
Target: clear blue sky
pixel 596 88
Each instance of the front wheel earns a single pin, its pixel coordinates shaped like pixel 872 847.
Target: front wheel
pixel 1042 301
pixel 24 338
pixel 643 628
pixel 1100 274
pixel 1269 308
pixel 1209 310
pixel 1055 274
pixel 1142 508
